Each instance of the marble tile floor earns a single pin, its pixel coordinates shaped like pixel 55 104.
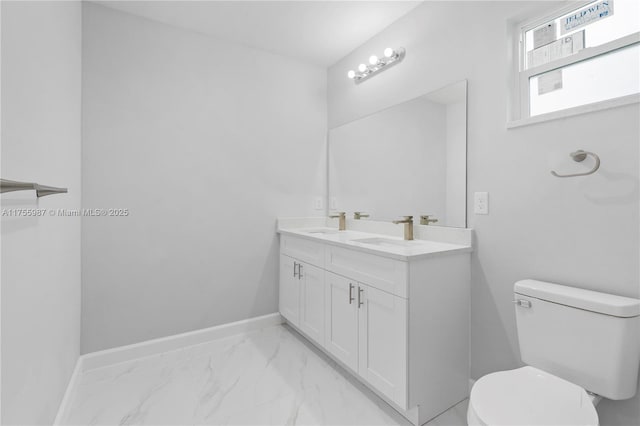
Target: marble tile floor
pixel 267 377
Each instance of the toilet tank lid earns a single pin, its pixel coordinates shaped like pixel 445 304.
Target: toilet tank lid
pixel 595 301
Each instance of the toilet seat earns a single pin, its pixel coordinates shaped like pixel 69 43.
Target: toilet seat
pixel 528 396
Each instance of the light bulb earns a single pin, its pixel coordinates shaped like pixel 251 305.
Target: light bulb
pixel 362 67
pixel 388 52
pixel 373 59
pixel 351 74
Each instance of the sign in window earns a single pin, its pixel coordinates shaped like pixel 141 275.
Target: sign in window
pixel 585 54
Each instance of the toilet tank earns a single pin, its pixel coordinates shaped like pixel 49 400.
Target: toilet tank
pixel 589 338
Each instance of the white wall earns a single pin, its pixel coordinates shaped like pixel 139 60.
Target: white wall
pixel 206 143
pixel 581 232
pixel 40 256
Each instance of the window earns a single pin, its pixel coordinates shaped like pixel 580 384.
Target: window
pixel 583 57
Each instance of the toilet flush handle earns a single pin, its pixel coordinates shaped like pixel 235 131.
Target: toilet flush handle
pixel 523 303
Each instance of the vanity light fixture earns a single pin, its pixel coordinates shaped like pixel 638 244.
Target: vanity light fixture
pixel 391 57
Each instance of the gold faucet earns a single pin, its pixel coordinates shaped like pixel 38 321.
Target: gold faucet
pixel 342 220
pixel 359 215
pixel 408 227
pixel 424 220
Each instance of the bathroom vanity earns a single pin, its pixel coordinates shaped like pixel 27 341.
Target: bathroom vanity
pixel 394 313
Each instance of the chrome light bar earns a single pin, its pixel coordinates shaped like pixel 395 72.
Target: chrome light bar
pixel 376 65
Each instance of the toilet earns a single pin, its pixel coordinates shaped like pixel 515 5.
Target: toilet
pixel 578 346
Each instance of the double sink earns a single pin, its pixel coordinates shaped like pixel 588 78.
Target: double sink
pixel 382 242
pixel 380 238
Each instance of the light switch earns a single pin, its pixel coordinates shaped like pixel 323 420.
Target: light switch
pixel 334 203
pixel 481 203
pixel 317 203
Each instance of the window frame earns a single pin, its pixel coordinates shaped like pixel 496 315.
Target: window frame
pixel 520 108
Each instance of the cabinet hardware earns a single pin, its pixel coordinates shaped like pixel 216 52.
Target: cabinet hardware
pixel 295 265
pixel 360 302
pixel 299 271
pixel 350 293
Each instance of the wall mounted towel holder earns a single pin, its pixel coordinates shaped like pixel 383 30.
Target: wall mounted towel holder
pixel 7 185
pixel 579 156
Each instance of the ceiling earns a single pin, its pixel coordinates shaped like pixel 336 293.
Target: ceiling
pixel 316 32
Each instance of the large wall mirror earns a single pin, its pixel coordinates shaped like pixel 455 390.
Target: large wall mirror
pixel 409 159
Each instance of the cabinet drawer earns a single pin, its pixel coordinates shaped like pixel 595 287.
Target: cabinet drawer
pixel 380 272
pixel 303 249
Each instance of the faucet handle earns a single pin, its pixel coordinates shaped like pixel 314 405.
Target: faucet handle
pixel 359 215
pixel 338 215
pixel 424 219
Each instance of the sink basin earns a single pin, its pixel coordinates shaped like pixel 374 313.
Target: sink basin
pixel 321 231
pixel 388 242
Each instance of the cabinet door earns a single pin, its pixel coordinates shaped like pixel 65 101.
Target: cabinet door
pixel 289 297
pixel 382 334
pixel 312 301
pixel 341 319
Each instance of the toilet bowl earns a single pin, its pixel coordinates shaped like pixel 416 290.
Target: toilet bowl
pixel 571 339
pixel 529 396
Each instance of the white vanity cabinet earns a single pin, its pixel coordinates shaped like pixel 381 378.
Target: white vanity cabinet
pixel 366 330
pixel 301 296
pixel 302 286
pixel 382 342
pixel 401 325
pixel 312 305
pixel 289 295
pixel 341 319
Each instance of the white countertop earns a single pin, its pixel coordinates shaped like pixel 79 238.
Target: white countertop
pixel 386 246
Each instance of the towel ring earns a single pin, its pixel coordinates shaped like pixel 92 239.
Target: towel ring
pixel 579 156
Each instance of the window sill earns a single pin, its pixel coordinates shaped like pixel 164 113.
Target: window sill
pixel 579 110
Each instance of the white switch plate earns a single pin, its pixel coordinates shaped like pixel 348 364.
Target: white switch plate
pixel 334 203
pixel 481 203
pixel 317 203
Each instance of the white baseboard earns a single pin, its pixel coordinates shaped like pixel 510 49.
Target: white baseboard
pixel 156 346
pixel 65 404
